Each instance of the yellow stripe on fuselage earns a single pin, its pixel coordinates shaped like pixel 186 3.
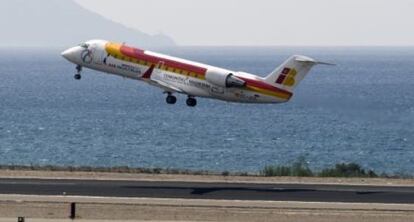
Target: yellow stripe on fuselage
pixel 113 49
pixel 268 92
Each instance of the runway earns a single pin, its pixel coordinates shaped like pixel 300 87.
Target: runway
pixel 217 191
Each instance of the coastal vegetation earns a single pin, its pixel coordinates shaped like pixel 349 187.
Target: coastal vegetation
pixel 298 168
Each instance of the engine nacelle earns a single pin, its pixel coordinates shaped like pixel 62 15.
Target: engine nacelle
pixel 224 79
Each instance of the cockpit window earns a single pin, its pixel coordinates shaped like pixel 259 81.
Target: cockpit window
pixel 84 45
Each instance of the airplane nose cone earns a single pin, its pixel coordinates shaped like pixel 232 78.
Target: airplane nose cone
pixel 65 54
pixel 70 54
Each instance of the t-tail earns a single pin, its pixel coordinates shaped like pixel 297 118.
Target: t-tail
pixel 288 75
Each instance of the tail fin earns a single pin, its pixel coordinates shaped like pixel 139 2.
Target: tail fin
pixel 288 75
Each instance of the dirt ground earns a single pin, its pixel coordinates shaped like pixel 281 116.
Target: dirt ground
pixel 56 208
pixel 153 209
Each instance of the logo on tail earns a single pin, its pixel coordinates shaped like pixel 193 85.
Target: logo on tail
pixel 287 77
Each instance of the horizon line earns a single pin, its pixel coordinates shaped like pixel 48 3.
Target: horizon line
pixel 227 46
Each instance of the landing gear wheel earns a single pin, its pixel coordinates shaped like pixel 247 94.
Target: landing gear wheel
pixel 77 76
pixel 171 99
pixel 191 102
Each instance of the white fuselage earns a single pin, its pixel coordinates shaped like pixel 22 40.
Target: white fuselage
pixel 172 74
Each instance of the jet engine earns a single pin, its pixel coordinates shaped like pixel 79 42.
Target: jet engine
pixel 224 79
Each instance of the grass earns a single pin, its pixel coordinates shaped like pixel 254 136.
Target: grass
pixel 298 168
pixel 347 170
pixel 116 169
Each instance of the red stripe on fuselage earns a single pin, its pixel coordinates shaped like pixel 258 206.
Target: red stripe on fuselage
pixel 140 55
pixel 263 85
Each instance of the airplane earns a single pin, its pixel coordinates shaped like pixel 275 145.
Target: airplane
pixel 176 75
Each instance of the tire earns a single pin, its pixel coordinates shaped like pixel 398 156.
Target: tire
pixel 77 76
pixel 171 99
pixel 191 102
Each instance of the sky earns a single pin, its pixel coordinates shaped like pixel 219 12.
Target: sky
pixel 267 22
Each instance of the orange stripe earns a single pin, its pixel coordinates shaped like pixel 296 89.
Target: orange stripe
pixel 267 89
pixel 268 92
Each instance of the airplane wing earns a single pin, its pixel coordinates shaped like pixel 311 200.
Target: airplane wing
pixel 148 76
pixel 167 86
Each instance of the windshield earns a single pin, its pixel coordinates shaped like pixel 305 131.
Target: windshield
pixel 84 45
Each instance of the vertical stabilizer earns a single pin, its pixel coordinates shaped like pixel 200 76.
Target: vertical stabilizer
pixel 288 75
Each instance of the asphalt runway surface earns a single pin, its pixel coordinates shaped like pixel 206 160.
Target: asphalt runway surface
pixel 218 191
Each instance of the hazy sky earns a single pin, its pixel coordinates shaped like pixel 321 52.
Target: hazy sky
pixel 267 22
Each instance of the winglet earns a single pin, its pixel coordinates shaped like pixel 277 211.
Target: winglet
pixel 310 60
pixel 148 73
pixel 325 63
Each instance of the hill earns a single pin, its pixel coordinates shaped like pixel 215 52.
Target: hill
pixel 60 23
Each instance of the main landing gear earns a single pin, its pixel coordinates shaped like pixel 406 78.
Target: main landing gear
pixel 191 101
pixel 78 76
pixel 171 99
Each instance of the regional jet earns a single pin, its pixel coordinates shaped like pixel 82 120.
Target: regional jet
pixel 175 75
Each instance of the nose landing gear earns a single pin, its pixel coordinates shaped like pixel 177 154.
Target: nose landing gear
pixel 78 75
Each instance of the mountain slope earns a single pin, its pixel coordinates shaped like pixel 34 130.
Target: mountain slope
pixel 59 23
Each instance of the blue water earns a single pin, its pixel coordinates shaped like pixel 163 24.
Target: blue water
pixel 360 111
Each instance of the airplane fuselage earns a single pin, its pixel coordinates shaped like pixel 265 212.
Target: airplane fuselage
pixel 175 75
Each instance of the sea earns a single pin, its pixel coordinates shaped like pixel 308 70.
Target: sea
pixel 361 111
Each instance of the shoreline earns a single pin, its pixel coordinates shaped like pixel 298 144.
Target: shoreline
pixel 298 168
pixel 42 174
